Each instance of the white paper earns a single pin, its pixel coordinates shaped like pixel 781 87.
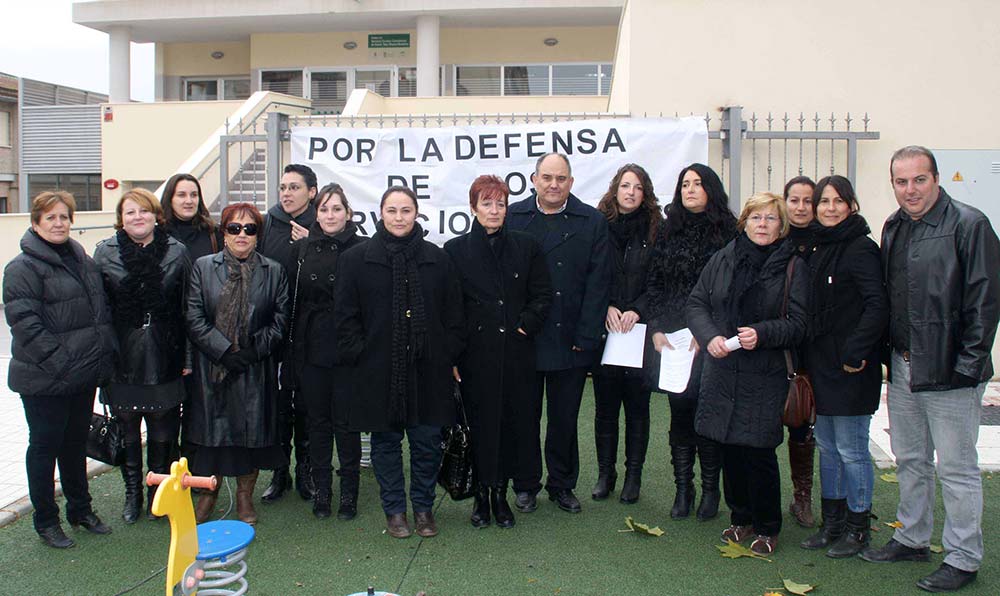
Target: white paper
pixel 625 349
pixel 675 365
pixel 733 343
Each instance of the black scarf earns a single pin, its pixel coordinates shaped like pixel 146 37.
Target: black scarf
pixel 628 226
pixel 141 290
pixel 831 242
pixel 750 259
pixel 409 318
pixel 232 315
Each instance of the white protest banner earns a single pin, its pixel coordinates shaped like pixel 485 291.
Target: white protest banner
pixel 439 164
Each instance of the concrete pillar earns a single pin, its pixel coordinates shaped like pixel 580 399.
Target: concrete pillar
pixel 119 67
pixel 428 56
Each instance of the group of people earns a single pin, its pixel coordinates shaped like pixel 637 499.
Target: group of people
pixel 290 329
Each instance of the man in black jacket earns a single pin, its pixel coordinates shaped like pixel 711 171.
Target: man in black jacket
pixel 574 239
pixel 939 257
pixel 286 222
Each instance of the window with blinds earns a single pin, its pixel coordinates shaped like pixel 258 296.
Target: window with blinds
pixel 288 82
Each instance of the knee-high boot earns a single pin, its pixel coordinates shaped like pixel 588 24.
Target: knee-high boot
pixel 800 459
pixel 132 475
pixel 158 461
pixel 710 459
pixel 606 441
pixel 244 497
pixel 682 458
pixel 303 469
pixel 206 504
pixel 636 444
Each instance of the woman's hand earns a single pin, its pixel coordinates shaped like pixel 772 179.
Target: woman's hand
pixel 613 321
pixel 693 346
pixel 299 232
pixel 660 341
pixel 186 371
pixel 454 373
pixel 628 320
pixel 717 347
pixel 747 336
pixel 850 369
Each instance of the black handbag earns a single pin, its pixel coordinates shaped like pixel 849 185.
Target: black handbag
pixel 456 474
pixel 106 439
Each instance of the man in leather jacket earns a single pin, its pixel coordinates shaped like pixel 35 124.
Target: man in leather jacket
pixel 939 257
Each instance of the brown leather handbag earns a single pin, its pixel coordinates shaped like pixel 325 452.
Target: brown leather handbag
pixel 800 406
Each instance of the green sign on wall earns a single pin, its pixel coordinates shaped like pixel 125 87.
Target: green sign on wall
pixel 388 40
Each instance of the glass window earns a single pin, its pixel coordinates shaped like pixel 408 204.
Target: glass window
pixel 288 82
pixel 575 79
pixel 407 82
pixel 201 90
pixel 236 89
pixel 376 81
pixel 5 129
pixel 606 71
pixel 86 188
pixel 329 92
pixel 477 80
pixel 526 80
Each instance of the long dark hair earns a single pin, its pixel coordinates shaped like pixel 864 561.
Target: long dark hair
pixel 717 207
pixel 202 219
pixel 608 204
pixel 842 186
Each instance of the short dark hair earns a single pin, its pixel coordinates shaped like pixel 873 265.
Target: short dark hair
pixel 403 189
pixel 842 186
pixel 235 210
pixel 914 151
pixel 538 163
pixel 308 175
pixel 44 201
pixel 490 187
pixel 202 219
pixel 798 180
pixel 333 189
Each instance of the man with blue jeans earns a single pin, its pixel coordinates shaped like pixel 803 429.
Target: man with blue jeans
pixel 940 262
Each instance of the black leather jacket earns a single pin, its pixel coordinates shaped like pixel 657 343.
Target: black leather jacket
pixel 955 283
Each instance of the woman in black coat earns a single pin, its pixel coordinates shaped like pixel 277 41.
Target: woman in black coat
pixel 145 275
pixel 186 217
pixel 237 313
pixel 699 223
pixel 399 320
pixel 312 350
pixel 633 215
pixel 505 284
pixel 851 312
pixel 63 348
pixel 744 383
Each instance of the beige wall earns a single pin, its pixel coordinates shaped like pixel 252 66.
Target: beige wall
pixel 376 104
pixel 149 141
pixel 195 59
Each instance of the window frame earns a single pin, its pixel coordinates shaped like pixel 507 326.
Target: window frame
pixel 220 85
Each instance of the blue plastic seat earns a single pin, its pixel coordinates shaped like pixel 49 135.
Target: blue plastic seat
pixel 219 539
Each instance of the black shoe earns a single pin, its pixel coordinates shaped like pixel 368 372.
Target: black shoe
pixel 606 442
pixel 132 476
pixel 348 509
pixel 636 444
pixel 946 579
pixel 833 526
pixel 605 485
pixel 480 517
pixel 856 536
pixel 710 459
pixel 321 503
pixel 893 552
pixel 565 499
pixel 55 537
pixel 631 486
pixel 501 510
pixel 526 502
pixel 92 524
pixel 304 481
pixel 682 460
pixel 281 481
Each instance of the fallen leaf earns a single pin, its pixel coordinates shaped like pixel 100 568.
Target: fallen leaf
pixel 733 550
pixel 936 549
pixel 299 585
pixel 634 526
pixel 773 594
pixel 896 524
pixel 889 477
pixel 796 588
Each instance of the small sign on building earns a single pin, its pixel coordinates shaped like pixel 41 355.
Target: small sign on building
pixel 388 40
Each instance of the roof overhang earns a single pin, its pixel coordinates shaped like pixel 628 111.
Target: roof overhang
pixel 233 20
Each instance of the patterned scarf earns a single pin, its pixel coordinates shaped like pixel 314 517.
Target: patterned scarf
pixel 232 315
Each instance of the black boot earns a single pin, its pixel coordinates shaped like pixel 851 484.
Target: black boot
pixel 348 509
pixel 303 478
pixel 158 461
pixel 636 444
pixel 481 507
pixel 321 503
pixel 132 475
pixel 501 510
pixel 281 481
pixel 682 458
pixel 606 441
pixel 857 534
pixel 834 519
pixel 710 459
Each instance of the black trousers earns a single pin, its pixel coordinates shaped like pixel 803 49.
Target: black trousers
pixel 614 389
pixel 563 392
pixel 317 389
pixel 57 434
pixel 293 424
pixel 752 487
pixel 162 426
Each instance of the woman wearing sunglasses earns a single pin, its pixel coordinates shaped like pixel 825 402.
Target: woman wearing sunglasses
pixel 237 313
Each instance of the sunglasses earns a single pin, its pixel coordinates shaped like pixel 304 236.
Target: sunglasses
pixel 234 229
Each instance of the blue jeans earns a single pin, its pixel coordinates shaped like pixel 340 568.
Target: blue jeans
pixel 845 464
pixel 425 459
pixel 947 422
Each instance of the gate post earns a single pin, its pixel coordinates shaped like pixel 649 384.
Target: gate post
pixel 273 129
pixel 732 149
pixel 224 171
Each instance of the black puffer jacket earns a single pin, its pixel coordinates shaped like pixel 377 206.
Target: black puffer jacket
pixel 631 251
pixel 742 395
pixel 63 342
pixel 154 352
pixel 955 297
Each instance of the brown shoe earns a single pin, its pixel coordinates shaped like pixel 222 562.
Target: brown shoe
pixel 764 545
pixel 244 498
pixel 737 534
pixel 425 523
pixel 800 459
pixel 206 505
pixel 397 526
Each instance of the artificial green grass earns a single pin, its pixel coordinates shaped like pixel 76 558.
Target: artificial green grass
pixel 548 552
